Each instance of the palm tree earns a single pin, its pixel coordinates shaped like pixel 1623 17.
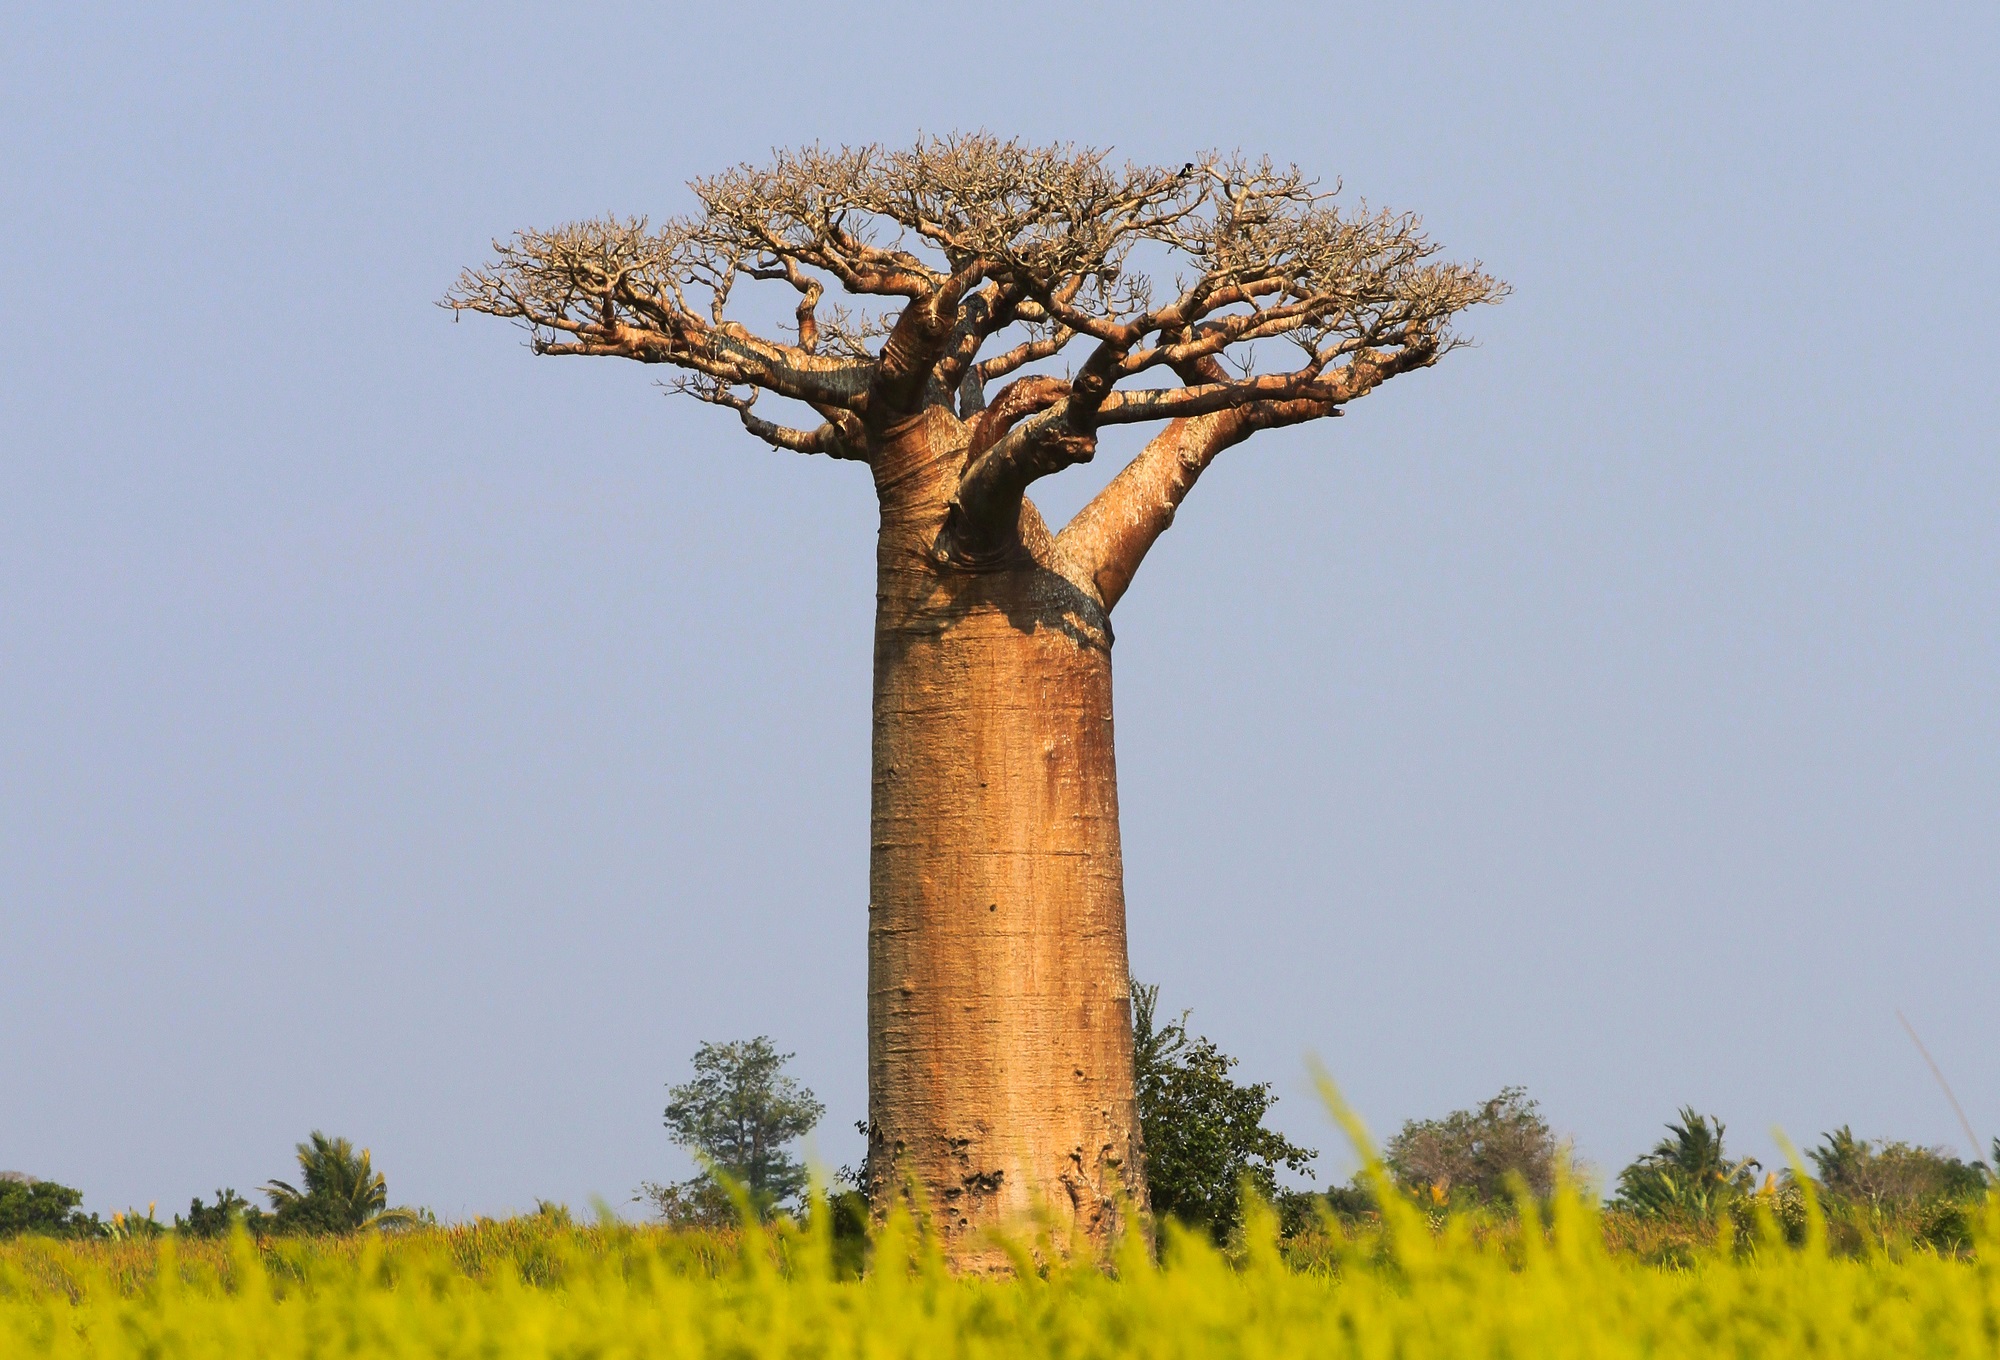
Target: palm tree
pixel 342 1191
pixel 1687 1172
pixel 1839 1155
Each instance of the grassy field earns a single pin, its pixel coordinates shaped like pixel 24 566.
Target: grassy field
pixel 1405 1288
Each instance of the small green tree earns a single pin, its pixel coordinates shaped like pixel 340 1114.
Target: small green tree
pixel 340 1191
pixel 1471 1156
pixel 1688 1173
pixel 1202 1132
pixel 1889 1177
pixel 738 1115
pixel 215 1220
pixel 43 1208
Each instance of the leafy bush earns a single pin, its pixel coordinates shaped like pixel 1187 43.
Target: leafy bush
pixel 131 1225
pixel 1472 1156
pixel 1687 1173
pixel 215 1220
pixel 698 1202
pixel 43 1208
pixel 1202 1132
pixel 1891 1176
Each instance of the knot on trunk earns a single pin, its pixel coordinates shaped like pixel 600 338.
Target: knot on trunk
pixel 965 543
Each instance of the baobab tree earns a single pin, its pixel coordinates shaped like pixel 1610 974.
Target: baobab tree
pixel 1005 305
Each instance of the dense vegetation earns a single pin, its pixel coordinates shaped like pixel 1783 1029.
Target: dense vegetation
pixel 1403 1284
pixel 1472 1234
pixel 1468 1236
pixel 44 1208
pixel 1206 1146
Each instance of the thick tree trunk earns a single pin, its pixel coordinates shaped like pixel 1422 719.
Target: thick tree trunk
pixel 999 1009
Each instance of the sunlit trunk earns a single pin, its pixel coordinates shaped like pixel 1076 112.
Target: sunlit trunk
pixel 999 1021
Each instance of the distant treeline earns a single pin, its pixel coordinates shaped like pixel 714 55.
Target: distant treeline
pixel 1208 1154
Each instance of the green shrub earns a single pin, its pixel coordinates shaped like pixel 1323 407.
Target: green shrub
pixel 216 1220
pixel 1202 1132
pixel 1474 1157
pixel 43 1208
pixel 1687 1174
pixel 1887 1176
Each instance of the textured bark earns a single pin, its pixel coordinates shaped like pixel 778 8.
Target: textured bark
pixel 999 1016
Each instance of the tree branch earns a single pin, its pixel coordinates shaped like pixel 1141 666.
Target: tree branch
pixel 1021 436
pixel 920 338
pixel 806 316
pixel 1367 370
pixel 619 289
pixel 839 436
pixel 1100 549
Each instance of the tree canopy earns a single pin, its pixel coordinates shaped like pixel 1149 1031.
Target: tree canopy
pixel 1474 1155
pixel 217 1219
pixel 1227 292
pixel 43 1208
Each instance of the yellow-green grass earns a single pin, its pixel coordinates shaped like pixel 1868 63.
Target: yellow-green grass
pixel 1404 1286
pixel 534 1287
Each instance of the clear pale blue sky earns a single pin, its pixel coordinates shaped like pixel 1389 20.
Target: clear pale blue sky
pixel 408 738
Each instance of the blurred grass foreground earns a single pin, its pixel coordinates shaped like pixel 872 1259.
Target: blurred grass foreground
pixel 1401 1283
